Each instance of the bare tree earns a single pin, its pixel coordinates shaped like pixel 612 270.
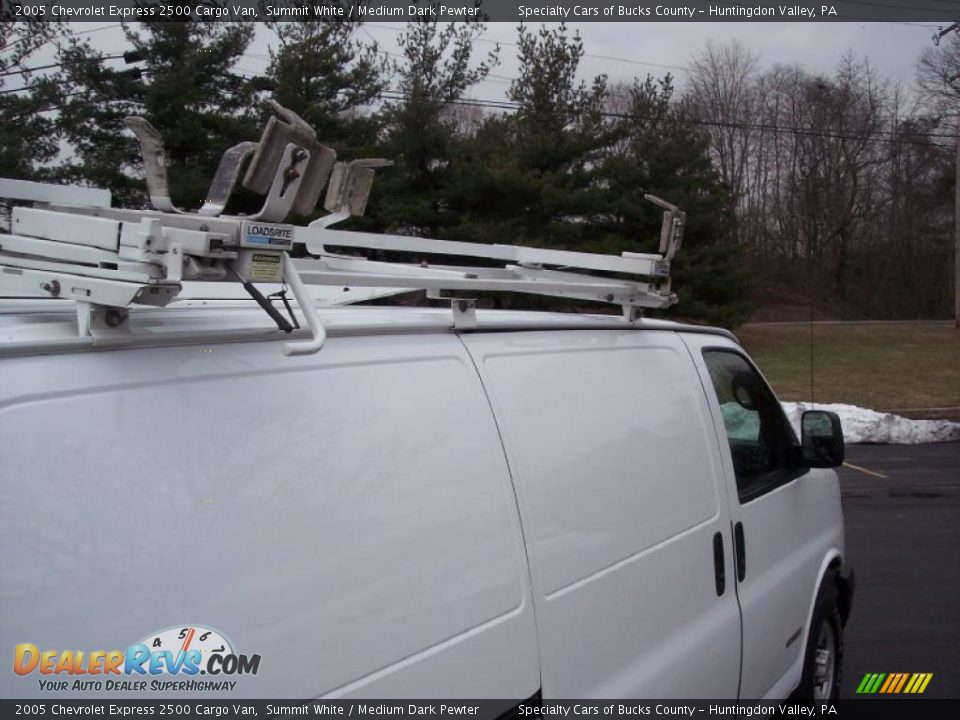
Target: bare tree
pixel 938 76
pixel 723 95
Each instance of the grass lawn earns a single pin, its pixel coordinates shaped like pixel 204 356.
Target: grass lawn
pixel 883 366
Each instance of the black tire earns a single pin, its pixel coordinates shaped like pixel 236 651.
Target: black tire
pixel 823 657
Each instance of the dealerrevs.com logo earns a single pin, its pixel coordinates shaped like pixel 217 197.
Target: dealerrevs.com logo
pixel 182 653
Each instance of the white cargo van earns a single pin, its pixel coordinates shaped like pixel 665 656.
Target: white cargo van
pixel 411 502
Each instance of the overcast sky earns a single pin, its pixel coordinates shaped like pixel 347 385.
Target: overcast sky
pixel 642 48
pixel 893 48
pixel 639 48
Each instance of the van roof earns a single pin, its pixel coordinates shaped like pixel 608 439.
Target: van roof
pixel 31 326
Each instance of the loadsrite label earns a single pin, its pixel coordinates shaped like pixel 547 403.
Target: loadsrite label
pixel 263 235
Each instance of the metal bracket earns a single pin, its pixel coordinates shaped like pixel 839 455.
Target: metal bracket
pixel 154 163
pixel 671 229
pixel 464 313
pixel 350 185
pixel 289 166
pixel 289 129
pixel 464 309
pixel 101 321
pixel 226 178
pixel 284 189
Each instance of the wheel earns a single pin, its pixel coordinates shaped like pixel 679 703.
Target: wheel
pixel 823 660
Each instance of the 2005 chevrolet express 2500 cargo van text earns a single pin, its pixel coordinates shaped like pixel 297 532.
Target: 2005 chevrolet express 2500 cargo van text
pixel 406 502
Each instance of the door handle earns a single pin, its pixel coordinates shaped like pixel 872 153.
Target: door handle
pixel 741 551
pixel 719 565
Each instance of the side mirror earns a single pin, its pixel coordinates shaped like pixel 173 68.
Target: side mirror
pixel 821 439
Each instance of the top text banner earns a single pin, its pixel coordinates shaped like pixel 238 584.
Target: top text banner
pixel 529 11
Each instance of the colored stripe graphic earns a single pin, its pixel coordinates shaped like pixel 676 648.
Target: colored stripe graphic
pixel 894 683
pixel 865 683
pixel 903 681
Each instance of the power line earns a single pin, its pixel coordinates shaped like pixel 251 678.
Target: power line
pixel 885 136
pixel 682 68
pixel 129 56
pixel 49 108
pixel 82 32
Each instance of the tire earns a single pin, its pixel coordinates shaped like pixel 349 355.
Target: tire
pixel 823 658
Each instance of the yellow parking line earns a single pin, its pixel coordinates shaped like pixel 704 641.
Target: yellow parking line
pixel 864 470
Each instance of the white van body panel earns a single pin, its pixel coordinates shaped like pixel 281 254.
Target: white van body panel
pixel 621 492
pixel 348 515
pixel 409 513
pixel 790 679
pixel 790 533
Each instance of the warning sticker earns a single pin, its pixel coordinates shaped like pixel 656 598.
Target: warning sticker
pixel 265 267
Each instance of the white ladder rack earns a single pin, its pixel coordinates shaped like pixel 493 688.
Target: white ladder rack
pixel 72 244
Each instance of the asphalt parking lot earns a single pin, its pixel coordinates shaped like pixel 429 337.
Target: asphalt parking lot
pixel 903 536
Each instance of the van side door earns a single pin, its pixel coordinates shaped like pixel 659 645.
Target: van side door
pixel 785 516
pixel 348 515
pixel 620 487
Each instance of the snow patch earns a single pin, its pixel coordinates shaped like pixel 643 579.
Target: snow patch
pixel 861 425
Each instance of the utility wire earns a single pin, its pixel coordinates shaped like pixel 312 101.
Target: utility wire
pixel 874 135
pixel 82 32
pixel 887 136
pixel 130 56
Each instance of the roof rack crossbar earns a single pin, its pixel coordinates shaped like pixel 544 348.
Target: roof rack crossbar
pixel 316 241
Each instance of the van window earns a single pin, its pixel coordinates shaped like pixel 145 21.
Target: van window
pixel 761 440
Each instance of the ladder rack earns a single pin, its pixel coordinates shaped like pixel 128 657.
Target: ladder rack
pixel 72 244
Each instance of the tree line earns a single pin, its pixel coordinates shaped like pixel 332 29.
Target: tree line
pixel 795 186
pixel 842 186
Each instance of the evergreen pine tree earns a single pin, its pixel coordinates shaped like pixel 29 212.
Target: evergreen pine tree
pixel 529 177
pixel 189 91
pixel 657 152
pixel 29 94
pixel 437 68
pixel 330 78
